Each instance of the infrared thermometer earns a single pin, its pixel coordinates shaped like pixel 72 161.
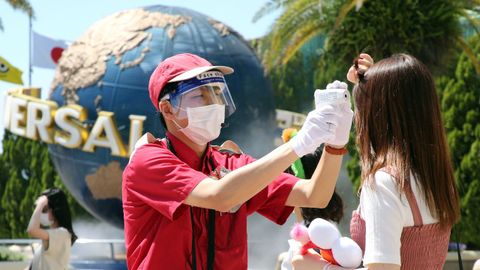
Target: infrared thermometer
pixel 331 96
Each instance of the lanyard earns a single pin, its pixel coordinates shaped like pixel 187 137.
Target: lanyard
pixel 210 225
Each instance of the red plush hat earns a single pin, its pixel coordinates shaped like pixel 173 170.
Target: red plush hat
pixel 177 68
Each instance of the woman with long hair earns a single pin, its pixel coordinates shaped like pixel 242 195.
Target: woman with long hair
pixel 52 223
pixel 408 198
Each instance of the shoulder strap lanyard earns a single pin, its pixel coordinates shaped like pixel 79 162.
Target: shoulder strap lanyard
pixel 211 226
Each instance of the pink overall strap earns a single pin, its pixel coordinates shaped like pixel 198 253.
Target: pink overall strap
pixel 417 217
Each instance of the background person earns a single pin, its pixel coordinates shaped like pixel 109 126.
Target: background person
pixel 186 202
pixel 408 201
pixel 51 222
pixel 304 168
pixel 333 212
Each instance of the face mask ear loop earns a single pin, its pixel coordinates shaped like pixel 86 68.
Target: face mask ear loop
pixel 175 122
pixel 179 109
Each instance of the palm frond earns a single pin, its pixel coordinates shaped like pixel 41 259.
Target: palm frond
pixel 300 15
pixel 470 53
pixel 344 10
pixel 468 4
pixel 299 11
pixel 473 20
pixel 301 21
pixel 268 8
pixel 301 39
pixel 23 5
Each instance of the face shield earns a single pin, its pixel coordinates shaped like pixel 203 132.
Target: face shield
pixel 205 89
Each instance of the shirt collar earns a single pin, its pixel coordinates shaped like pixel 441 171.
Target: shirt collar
pixel 186 154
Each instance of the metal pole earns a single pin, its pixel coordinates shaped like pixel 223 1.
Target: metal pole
pixel 30 51
pixel 112 251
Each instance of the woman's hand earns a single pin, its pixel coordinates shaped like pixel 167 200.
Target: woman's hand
pixel 34 229
pixel 365 61
pixel 41 201
pixel 311 261
pixel 307 262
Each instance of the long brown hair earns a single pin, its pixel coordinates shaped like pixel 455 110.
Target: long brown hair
pixel 399 126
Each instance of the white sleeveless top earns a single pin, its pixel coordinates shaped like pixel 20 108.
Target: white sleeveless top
pixel 57 256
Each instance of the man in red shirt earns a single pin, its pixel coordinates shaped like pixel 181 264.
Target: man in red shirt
pixel 186 202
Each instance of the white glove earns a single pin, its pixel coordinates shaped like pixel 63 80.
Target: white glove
pixel 342 132
pixel 318 128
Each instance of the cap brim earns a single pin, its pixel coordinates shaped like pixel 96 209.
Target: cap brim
pixel 194 72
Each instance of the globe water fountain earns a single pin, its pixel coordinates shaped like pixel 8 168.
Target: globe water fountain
pixel 103 78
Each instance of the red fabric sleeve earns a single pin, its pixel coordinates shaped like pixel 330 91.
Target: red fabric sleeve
pixel 158 178
pixel 270 202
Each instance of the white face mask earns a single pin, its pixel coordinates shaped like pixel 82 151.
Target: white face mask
pixel 44 220
pixel 204 123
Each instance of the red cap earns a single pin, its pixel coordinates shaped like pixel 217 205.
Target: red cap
pixel 178 68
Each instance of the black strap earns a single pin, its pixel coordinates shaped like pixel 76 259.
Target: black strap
pixel 170 147
pixel 211 225
pixel 211 239
pixel 194 252
pixel 211 230
pixel 460 263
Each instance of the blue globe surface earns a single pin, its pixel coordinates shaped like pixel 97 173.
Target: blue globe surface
pixel 108 68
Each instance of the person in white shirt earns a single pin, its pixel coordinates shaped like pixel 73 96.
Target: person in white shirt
pixel 409 200
pixel 51 222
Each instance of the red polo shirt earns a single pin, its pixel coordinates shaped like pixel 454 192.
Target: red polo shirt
pixel 158 228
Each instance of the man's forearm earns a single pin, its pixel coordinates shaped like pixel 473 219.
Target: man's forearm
pixel 322 184
pixel 243 183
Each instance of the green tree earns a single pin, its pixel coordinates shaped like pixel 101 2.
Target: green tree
pixel 425 29
pixel 25 172
pixel 460 101
pixel 429 30
pixel 292 85
pixel 23 5
pixel 10 205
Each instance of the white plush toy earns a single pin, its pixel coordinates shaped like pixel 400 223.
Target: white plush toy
pixel 333 247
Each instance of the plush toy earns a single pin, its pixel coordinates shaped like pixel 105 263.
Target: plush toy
pixel 324 236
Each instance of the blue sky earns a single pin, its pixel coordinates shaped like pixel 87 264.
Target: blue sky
pixel 68 19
